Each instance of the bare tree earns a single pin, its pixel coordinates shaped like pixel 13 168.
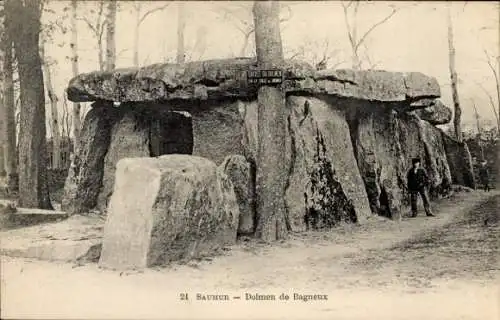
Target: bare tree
pixel 270 172
pixel 8 96
pixel 181 26
pixel 110 35
pixel 351 10
pixel 200 44
pixel 54 123
pixel 317 53
pixel 479 131
pixel 139 19
pixel 453 76
pixel 494 64
pixel 33 187
pixel 241 17
pixel 492 104
pixel 96 22
pixel 66 120
pixel 54 25
pixel 74 66
pixel 3 133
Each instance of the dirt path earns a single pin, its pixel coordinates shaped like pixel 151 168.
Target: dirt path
pixel 424 268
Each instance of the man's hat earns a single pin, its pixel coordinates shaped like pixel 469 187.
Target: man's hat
pixel 415 160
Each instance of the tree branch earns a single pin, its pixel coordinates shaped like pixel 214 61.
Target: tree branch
pixel 384 20
pixel 229 13
pixel 137 5
pixel 337 64
pixel 121 52
pixel 492 103
pixel 348 25
pixel 346 6
pixel 290 14
pixel 146 14
pixel 101 32
pixel 245 42
pixel 294 55
pixel 89 25
pixel 488 61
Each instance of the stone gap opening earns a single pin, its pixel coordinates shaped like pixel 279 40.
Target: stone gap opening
pixel 171 132
pixel 385 210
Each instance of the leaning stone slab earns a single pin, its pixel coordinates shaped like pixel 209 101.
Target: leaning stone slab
pixel 84 180
pixel 325 185
pixel 168 208
pixel 460 161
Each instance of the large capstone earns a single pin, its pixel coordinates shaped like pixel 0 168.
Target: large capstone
pixel 226 78
pixel 168 208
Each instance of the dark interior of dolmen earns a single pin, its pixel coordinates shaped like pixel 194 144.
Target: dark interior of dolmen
pixel 171 132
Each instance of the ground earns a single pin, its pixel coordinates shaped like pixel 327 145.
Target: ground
pixel 422 268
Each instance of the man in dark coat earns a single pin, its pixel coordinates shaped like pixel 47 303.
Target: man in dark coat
pixel 418 181
pixel 484 176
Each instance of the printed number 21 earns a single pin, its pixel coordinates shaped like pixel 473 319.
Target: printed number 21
pixel 184 296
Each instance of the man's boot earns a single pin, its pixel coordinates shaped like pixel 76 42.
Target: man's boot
pixel 428 212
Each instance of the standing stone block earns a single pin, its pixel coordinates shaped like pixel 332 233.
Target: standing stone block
pixel 241 174
pixel 460 161
pixel 129 138
pixel 218 131
pixel 168 208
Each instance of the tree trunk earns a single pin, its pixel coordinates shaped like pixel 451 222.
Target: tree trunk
pixel 479 141
pixel 3 133
pixel 33 188
pixel 100 52
pixel 181 26
pixel 10 149
pixel 56 136
pixel 454 79
pixel 245 44
pixel 110 36
pixel 74 67
pixel 136 35
pixel 497 82
pixel 271 174
pixel 200 45
pixel 356 63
